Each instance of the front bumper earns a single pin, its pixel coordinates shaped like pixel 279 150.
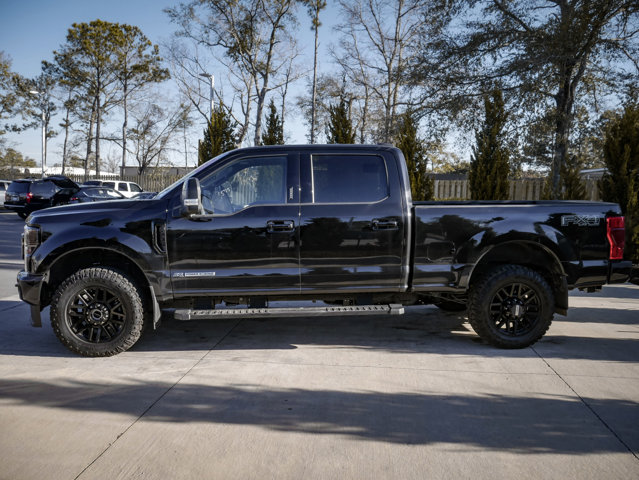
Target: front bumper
pixel 29 288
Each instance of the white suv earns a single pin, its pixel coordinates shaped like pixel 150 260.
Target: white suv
pixel 4 184
pixel 128 189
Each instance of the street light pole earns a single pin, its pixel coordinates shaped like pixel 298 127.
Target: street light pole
pixel 211 92
pixel 44 133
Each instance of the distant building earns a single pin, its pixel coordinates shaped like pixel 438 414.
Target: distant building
pixel 592 173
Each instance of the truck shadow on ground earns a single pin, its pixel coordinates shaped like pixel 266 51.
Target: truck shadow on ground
pixel 423 330
pixel 499 422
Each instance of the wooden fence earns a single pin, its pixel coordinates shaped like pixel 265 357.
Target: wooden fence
pixel 524 189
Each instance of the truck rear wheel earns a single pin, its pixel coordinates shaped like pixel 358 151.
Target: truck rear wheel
pixel 511 306
pixel 97 312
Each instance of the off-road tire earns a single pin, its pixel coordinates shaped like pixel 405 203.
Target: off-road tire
pixel 511 306
pixel 97 312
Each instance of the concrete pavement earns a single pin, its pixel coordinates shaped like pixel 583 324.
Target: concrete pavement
pixel 409 397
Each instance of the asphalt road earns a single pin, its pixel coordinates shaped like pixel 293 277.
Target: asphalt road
pixel 417 396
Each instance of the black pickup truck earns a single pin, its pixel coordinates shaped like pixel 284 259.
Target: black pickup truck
pixel 328 223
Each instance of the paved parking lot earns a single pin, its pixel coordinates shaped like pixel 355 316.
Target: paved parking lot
pixel 410 397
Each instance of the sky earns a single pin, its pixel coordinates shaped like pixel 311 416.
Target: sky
pixel 30 30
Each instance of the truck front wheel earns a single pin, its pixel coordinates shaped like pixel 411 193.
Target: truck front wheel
pixel 511 306
pixel 97 312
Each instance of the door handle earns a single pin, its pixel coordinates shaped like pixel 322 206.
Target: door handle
pixel 384 224
pixel 279 226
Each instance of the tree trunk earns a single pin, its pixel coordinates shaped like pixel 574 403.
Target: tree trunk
pixel 362 135
pixel 564 99
pixel 313 100
pixel 97 136
pixel 258 115
pixel 66 140
pixel 247 113
pixel 89 142
pixel 124 125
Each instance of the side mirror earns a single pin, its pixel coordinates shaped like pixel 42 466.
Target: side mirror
pixel 191 197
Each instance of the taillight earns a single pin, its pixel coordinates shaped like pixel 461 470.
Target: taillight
pixel 616 236
pixel 29 197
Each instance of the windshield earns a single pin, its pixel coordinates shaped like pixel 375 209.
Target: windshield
pixel 168 189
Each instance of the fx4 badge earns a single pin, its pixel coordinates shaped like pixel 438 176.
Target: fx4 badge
pixel 580 220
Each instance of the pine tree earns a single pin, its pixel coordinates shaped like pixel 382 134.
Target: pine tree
pixel 621 183
pixel 340 127
pixel 219 136
pixel 573 188
pixel 274 134
pixel 415 154
pixel 489 163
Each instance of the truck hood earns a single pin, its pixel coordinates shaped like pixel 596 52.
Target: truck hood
pixel 111 207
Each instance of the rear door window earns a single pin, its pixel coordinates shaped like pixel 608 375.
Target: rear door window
pixel 123 187
pixel 349 179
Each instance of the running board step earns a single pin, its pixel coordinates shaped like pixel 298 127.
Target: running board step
pixel 185 315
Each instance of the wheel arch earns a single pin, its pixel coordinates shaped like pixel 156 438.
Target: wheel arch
pixel 72 261
pixel 529 254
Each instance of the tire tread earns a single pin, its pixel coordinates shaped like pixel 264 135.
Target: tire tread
pixel 118 280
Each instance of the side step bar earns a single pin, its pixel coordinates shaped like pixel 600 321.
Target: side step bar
pixel 185 314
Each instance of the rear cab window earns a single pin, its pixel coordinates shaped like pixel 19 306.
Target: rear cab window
pixel 349 179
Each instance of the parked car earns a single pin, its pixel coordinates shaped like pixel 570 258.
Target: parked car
pixel 144 195
pixel 331 223
pixel 4 184
pixel 27 195
pixel 128 189
pixel 95 194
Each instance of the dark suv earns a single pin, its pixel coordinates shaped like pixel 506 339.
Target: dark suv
pixel 26 195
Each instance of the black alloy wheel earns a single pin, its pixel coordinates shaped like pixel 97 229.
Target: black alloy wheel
pixel 514 309
pixel 511 306
pixel 96 315
pixel 97 312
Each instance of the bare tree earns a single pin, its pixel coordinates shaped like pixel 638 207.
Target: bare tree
pixel 153 131
pixel 314 7
pixel 378 41
pixel 188 63
pixel 252 35
pixel 137 65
